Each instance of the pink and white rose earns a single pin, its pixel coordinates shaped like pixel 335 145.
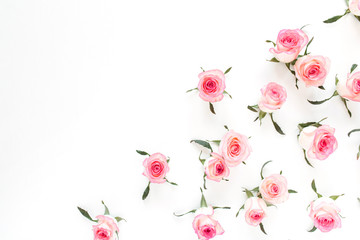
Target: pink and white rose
pixel 319 142
pixel 211 85
pixel 350 90
pixel 312 70
pixel 205 226
pixel 216 168
pixel 273 97
pixel 234 148
pixel 106 228
pixel 355 7
pixel 274 189
pixel 255 210
pixel 156 167
pixel 289 44
pixel 325 214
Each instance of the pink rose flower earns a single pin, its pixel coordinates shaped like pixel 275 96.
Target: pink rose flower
pixel 156 167
pixel 106 228
pixel 355 7
pixel 319 142
pixel 234 148
pixel 255 210
pixel 312 70
pixel 274 189
pixel 205 226
pixel 325 214
pixel 351 90
pixel 273 97
pixel 289 43
pixel 216 168
pixel 211 85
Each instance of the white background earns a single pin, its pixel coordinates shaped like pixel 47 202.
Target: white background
pixel 85 83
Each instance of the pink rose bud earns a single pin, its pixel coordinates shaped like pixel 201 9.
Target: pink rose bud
pixel 355 7
pixel 216 168
pixel 255 210
pixel 312 70
pixel 205 226
pixel 319 142
pixel 234 148
pixel 325 214
pixel 211 85
pixel 289 43
pixel 351 90
pixel 274 189
pixel 156 167
pixel 273 97
pixel 106 228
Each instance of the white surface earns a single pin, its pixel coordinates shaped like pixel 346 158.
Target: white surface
pixel 85 83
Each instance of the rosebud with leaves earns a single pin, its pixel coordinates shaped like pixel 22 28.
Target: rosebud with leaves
pixel 272 99
pixel 156 167
pixel 324 213
pixel 353 7
pixel 352 131
pixel 212 86
pixel 107 226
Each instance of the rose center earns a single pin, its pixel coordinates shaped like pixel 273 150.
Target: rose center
pixel 157 168
pixel 219 168
pixel 356 86
pixel 208 231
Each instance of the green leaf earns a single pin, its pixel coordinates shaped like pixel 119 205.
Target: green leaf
pixel 262 168
pixel 227 70
pixel 190 90
pixel 251 108
pixel 261 115
pixel 172 183
pixel 242 207
pixel 347 2
pixel 225 92
pixel 249 194
pixel 358 154
pixel 336 80
pixel 221 208
pixel 217 142
pixel 322 101
pixel 86 214
pixel 269 41
pixel 353 67
pixel 212 108
pixel 146 192
pixel 333 19
pixel 204 178
pixel 281 172
pixel 119 219
pixel 203 202
pixel 306 49
pixel 334 197
pixel 352 131
pixel 107 212
pixel 313 229
pixel 262 228
pixel 142 152
pixel 277 127
pixel 346 106
pixel 255 189
pixel 304 26
pixel 180 215
pixel 313 186
pixel 292 191
pixel 273 60
pixel 202 143
pixel 321 87
pixel 307 160
pixel 202 69
pixel 226 127
pixel 288 67
pixel 201 160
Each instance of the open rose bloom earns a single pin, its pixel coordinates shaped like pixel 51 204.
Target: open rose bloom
pixel 325 214
pixel 274 189
pixel 273 97
pixel 156 167
pixel 355 7
pixel 211 85
pixel 205 226
pixel 216 168
pixel 350 90
pixel 319 142
pixel 255 210
pixel 312 70
pixel 106 228
pixel 234 148
pixel 289 43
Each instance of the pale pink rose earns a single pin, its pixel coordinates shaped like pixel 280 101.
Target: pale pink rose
pixel 289 43
pixel 211 85
pixel 350 90
pixel 274 189
pixel 216 168
pixel 319 142
pixel 355 7
pixel 312 70
pixel 234 148
pixel 156 167
pixel 106 228
pixel 255 210
pixel 273 97
pixel 205 226
pixel 325 214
